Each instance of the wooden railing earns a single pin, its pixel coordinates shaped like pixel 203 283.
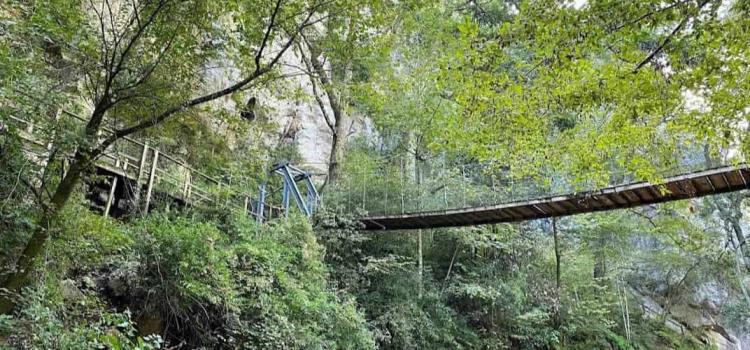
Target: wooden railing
pixel 149 168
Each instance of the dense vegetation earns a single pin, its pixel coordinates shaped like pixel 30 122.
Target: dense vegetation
pixel 537 95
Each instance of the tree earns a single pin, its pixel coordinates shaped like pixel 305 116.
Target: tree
pixel 336 122
pixel 604 83
pixel 138 63
pixel 337 56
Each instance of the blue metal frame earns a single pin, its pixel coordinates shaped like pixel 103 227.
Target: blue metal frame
pixel 291 184
pixel 261 202
pixel 291 175
pixel 285 198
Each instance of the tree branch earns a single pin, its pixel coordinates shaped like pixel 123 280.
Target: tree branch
pixel 649 14
pixel 147 71
pixel 312 76
pixel 105 101
pixel 668 39
pixel 137 36
pixel 212 96
pixel 269 29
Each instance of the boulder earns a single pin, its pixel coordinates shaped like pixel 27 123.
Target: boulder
pixel 69 290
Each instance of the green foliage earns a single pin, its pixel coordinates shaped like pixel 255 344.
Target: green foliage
pixel 185 259
pixel 87 241
pixel 224 282
pixel 580 91
pixel 386 288
pixel 287 302
pixel 43 323
pixel 17 214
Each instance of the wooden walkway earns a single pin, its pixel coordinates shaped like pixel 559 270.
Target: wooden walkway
pixel 690 185
pixel 146 171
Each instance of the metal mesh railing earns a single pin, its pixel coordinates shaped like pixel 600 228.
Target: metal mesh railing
pixel 390 188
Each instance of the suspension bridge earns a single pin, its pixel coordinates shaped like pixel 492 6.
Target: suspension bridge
pixel 430 197
pixel 683 186
pixel 450 194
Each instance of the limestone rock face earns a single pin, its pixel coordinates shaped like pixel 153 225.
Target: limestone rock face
pixel 691 319
pixel 290 105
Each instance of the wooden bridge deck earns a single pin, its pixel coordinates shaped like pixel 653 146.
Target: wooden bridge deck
pixel 690 185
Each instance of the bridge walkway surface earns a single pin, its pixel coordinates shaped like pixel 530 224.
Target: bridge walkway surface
pixel 684 186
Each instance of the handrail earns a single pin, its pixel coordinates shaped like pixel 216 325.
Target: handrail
pixel 126 138
pixel 132 162
pixel 144 172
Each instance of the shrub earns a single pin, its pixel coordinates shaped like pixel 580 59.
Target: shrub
pixel 43 322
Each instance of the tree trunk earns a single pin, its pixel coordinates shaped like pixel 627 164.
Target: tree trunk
pixel 337 123
pixel 730 213
pixel 557 255
pixel 600 259
pixel 558 282
pixel 411 166
pixel 34 247
pixel 338 147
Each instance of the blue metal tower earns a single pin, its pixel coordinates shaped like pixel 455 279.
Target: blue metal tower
pixel 290 176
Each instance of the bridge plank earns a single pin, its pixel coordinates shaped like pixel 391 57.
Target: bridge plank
pixel 735 178
pixel 618 199
pixel 556 207
pixel 719 181
pixel 569 205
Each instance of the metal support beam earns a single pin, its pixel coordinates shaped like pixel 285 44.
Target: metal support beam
pixel 312 193
pixel 285 197
pixel 295 190
pixel 261 202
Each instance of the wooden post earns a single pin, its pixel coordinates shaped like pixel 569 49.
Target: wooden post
pixel 151 177
pixel 186 187
pixel 112 188
pixel 139 177
pixel 142 163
